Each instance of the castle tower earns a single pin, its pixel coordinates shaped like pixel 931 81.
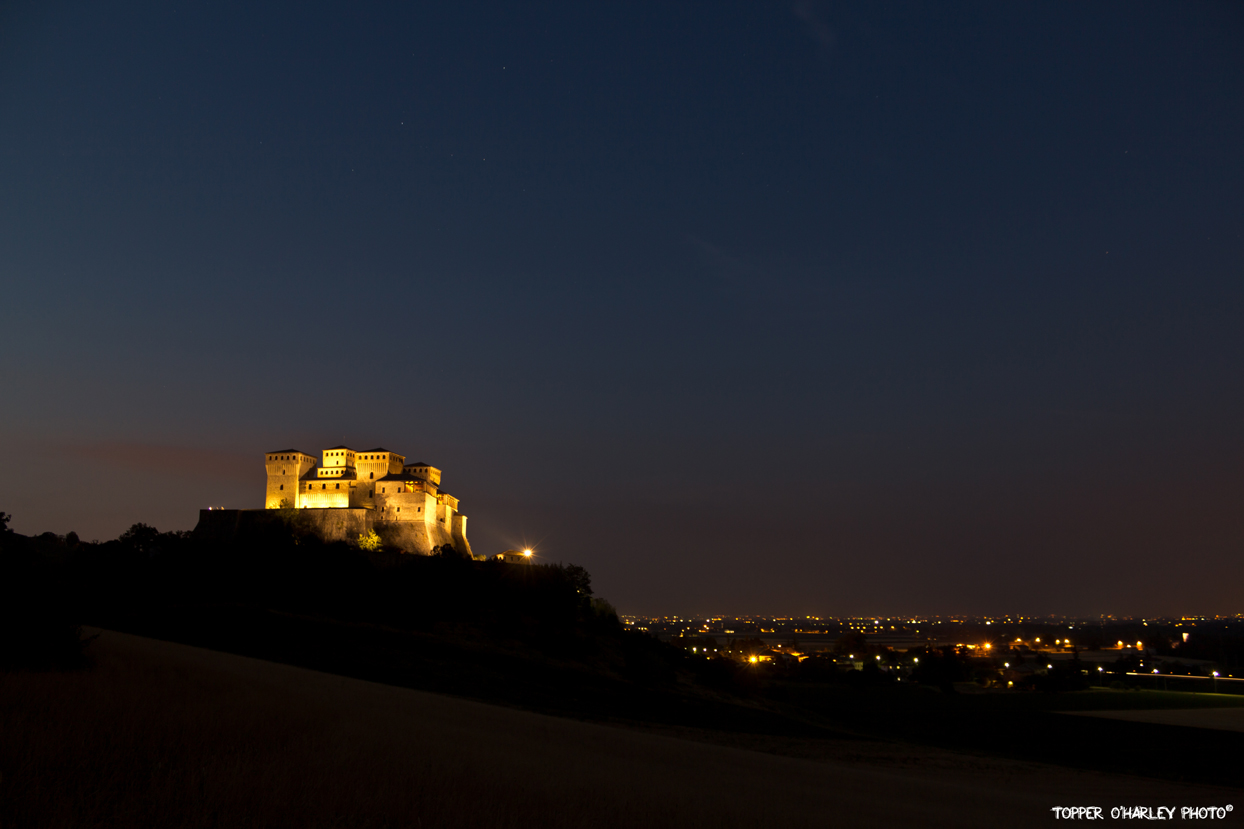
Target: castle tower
pixel 333 484
pixel 374 464
pixel 427 473
pixel 285 468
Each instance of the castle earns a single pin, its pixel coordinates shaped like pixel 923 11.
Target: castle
pixel 349 493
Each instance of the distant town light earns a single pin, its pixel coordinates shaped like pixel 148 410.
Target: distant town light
pixel 526 552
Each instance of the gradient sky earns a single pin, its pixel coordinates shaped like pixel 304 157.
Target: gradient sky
pixel 826 308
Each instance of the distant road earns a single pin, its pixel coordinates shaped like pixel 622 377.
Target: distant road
pixel 1220 719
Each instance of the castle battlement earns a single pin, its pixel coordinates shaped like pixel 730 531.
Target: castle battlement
pixel 403 499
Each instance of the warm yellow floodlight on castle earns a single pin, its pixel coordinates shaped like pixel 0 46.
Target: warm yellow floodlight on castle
pixel 347 492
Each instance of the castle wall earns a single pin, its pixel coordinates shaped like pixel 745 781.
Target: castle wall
pixel 409 536
pixel 458 534
pixel 443 513
pixel 395 503
pixel 335 524
pixel 325 494
pixel 328 524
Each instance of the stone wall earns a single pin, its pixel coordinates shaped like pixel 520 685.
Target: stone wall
pixel 326 494
pixel 341 524
pixel 459 534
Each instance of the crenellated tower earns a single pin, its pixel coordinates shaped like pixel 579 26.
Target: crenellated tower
pixel 286 467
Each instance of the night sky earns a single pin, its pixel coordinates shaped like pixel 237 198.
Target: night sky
pixel 814 308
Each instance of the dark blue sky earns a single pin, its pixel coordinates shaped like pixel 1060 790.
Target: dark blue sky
pixel 747 307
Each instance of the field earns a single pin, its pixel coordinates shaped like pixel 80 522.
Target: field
pixel 160 734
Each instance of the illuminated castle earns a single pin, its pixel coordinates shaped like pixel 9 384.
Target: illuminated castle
pixel 353 492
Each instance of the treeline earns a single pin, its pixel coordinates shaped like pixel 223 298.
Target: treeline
pixel 132 582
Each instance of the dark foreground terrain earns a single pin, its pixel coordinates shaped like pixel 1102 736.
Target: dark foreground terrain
pixel 159 734
pixel 91 735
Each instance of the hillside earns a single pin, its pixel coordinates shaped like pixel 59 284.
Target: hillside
pixel 162 734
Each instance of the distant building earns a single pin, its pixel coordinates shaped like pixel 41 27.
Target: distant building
pixel 346 493
pixel 514 556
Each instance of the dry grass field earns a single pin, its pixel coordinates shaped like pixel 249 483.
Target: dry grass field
pixel 165 735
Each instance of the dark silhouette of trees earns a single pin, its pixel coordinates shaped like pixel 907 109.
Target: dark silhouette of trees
pixel 39 626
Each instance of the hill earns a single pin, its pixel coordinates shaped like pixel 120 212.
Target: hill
pixel 161 734
pixel 536 638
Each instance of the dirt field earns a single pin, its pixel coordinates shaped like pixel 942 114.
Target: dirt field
pixel 166 735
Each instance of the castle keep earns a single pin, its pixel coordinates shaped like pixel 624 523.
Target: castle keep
pixel 347 493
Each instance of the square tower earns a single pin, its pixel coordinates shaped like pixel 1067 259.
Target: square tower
pixel 285 468
pixel 374 464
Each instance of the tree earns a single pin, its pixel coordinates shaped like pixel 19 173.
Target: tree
pixel 369 541
pixel 141 538
pixel 580 578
